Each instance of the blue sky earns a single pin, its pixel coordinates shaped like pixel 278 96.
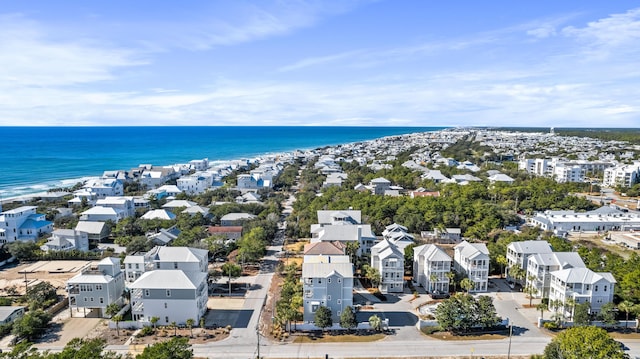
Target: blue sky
pixel 364 63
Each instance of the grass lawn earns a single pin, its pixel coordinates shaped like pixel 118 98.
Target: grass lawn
pixel 344 338
pixel 451 337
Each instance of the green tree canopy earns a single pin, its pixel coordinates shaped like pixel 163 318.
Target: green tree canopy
pixel 174 348
pixel 348 318
pixel 252 246
pixel 32 324
pixel 462 311
pixel 584 342
pixel 322 318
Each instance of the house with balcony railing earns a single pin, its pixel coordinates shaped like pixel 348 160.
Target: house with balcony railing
pixel 472 260
pixel 518 253
pixel 96 287
pixel 581 285
pixel 171 295
pixel 431 266
pixel 540 266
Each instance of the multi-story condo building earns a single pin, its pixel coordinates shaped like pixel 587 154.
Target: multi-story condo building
pixel 582 285
pixel 97 287
pixel 472 259
pixel 171 295
pixel 564 173
pixel 431 266
pixel 388 259
pixel 24 224
pixel 541 265
pixel 624 175
pixel 329 285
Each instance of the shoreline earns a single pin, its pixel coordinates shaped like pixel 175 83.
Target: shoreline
pixel 42 190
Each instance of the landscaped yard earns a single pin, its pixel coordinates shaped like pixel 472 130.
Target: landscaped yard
pixel 337 338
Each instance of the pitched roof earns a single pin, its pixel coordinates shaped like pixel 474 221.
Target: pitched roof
pixel 224 229
pixel 159 214
pixel 582 275
pixel 323 270
pixel 176 203
pixel 324 248
pixel 471 250
pixel 169 279
pixel 431 252
pixel 91 227
pixel 531 247
pixel 179 254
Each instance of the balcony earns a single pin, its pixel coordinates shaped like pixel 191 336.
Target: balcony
pixel 137 307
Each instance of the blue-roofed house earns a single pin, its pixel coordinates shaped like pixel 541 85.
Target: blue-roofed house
pixel 24 224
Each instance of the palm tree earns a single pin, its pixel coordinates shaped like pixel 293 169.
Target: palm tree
pixel 112 309
pixel 190 323
pixel 452 276
pixel 375 322
pixel 117 318
pixel 530 288
pixel 502 261
pixel 432 280
pixel 175 329
pixel 467 284
pixel 541 307
pixel 154 321
pixel 569 304
pixel 626 306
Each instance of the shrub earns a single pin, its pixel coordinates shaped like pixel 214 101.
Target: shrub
pixel 431 330
pixel 550 325
pixel 145 332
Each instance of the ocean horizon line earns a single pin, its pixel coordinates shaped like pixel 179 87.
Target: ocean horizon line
pixel 43 158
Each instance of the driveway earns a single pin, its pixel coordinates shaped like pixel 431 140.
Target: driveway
pixel 61 333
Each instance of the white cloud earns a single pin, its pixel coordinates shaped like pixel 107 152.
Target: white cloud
pixel 30 58
pixel 619 32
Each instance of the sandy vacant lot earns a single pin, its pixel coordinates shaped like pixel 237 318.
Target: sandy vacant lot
pixel 54 272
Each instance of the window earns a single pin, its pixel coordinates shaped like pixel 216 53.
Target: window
pixel 137 266
pixel 157 265
pixel 92 299
pixel 165 305
pixel 319 280
pixel 101 300
pixel 328 280
pixel 596 287
pixel 328 298
pixel 605 288
pixel 314 307
pixel 339 280
pixel 339 301
pixel 175 265
pixel 146 292
pixel 166 320
pixel 129 266
pixel 98 286
pixel 168 292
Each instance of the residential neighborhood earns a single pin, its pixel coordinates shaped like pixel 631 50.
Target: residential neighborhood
pixel 372 236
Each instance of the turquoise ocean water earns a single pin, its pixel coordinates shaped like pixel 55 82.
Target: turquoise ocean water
pixel 38 158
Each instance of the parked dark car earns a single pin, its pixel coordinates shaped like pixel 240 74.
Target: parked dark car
pixel 439 295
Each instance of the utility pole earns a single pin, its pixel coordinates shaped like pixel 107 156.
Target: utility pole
pixel 510 332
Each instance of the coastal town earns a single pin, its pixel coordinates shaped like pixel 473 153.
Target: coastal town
pixel 465 242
